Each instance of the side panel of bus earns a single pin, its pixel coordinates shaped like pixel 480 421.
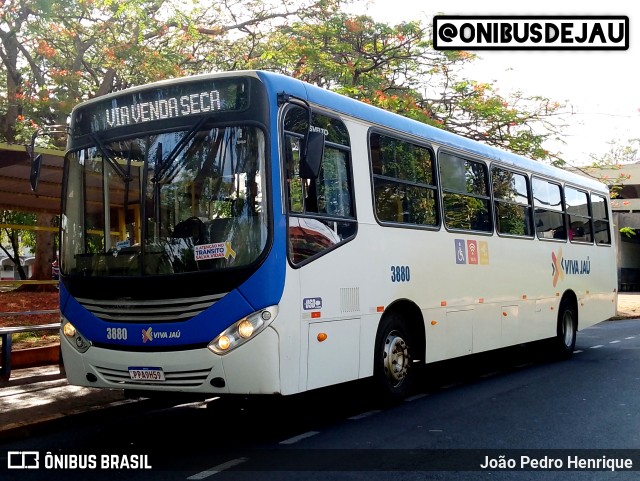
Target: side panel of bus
pixel 475 292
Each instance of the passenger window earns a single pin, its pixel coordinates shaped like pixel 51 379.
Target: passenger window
pixel 465 193
pixel 512 207
pixel 403 181
pixel 601 224
pixel 579 214
pixel 321 210
pixel 548 211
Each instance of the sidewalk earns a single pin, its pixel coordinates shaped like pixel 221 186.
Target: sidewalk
pixel 38 397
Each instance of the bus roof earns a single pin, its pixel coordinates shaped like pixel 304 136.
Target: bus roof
pixel 376 115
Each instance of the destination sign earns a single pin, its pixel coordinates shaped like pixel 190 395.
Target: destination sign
pixel 163 103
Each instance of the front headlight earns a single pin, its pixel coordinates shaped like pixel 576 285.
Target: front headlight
pixel 245 329
pixel 75 337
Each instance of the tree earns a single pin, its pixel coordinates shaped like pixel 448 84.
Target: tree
pixel 608 167
pixel 12 239
pixel 619 153
pixel 396 68
pixel 57 54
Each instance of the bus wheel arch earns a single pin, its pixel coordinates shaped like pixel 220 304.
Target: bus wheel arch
pixel 399 350
pixel 567 325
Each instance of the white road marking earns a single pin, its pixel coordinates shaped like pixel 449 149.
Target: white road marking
pixel 596 347
pixel 357 417
pixel 217 469
pixel 299 437
pixel 416 397
pixel 449 386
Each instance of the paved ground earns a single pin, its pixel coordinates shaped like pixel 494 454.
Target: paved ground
pixel 629 304
pixel 36 398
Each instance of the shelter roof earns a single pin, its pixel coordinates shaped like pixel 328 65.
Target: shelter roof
pixel 15 187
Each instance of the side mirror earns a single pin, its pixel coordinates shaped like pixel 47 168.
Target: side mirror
pixel 36 163
pixel 311 160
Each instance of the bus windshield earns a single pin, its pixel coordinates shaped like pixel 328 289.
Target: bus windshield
pixel 173 202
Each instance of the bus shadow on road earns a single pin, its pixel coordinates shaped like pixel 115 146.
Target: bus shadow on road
pixel 344 400
pixel 478 367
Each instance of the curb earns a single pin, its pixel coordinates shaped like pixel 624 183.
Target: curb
pixel 35 356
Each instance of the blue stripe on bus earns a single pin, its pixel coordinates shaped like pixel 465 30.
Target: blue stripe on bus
pixel 201 329
pixel 265 286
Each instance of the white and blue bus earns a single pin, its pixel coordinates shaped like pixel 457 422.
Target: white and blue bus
pixel 248 233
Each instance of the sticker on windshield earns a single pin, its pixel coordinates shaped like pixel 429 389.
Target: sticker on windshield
pixel 214 251
pixel 123 244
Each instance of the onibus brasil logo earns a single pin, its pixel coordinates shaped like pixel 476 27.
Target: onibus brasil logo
pixel 561 267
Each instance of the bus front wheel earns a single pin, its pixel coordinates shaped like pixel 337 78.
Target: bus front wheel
pixel 393 371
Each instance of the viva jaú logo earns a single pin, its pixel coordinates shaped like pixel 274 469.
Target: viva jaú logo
pixel 571 267
pixel 556 265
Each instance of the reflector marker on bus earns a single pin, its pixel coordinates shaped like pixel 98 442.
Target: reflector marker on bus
pixel 322 336
pixel 481 300
pixel 316 314
pixel 380 309
pixel 443 303
pixel 433 323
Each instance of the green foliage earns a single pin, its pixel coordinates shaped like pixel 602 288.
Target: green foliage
pixel 396 68
pixel 628 231
pixel 12 239
pixel 619 154
pixel 79 49
pixel 608 167
pixel 57 54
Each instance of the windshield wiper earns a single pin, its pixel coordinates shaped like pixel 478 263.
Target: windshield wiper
pixel 125 176
pixel 165 167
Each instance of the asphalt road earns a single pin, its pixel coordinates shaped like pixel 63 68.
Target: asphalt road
pixel 513 407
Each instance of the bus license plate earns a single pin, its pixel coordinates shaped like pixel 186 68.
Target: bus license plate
pixel 146 374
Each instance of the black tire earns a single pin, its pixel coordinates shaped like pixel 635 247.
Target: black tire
pixel 565 340
pixel 394 373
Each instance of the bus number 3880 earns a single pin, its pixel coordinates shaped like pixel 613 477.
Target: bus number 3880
pixel 117 333
pixel 400 274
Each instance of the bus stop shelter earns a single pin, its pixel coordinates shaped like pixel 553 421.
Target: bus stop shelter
pixel 15 187
pixel 16 193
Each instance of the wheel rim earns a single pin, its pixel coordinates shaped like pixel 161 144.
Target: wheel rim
pixel 567 327
pixel 396 358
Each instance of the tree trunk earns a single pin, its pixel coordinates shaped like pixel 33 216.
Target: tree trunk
pixel 45 251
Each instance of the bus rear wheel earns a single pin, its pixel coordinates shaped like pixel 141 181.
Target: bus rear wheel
pixel 393 372
pixel 565 340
